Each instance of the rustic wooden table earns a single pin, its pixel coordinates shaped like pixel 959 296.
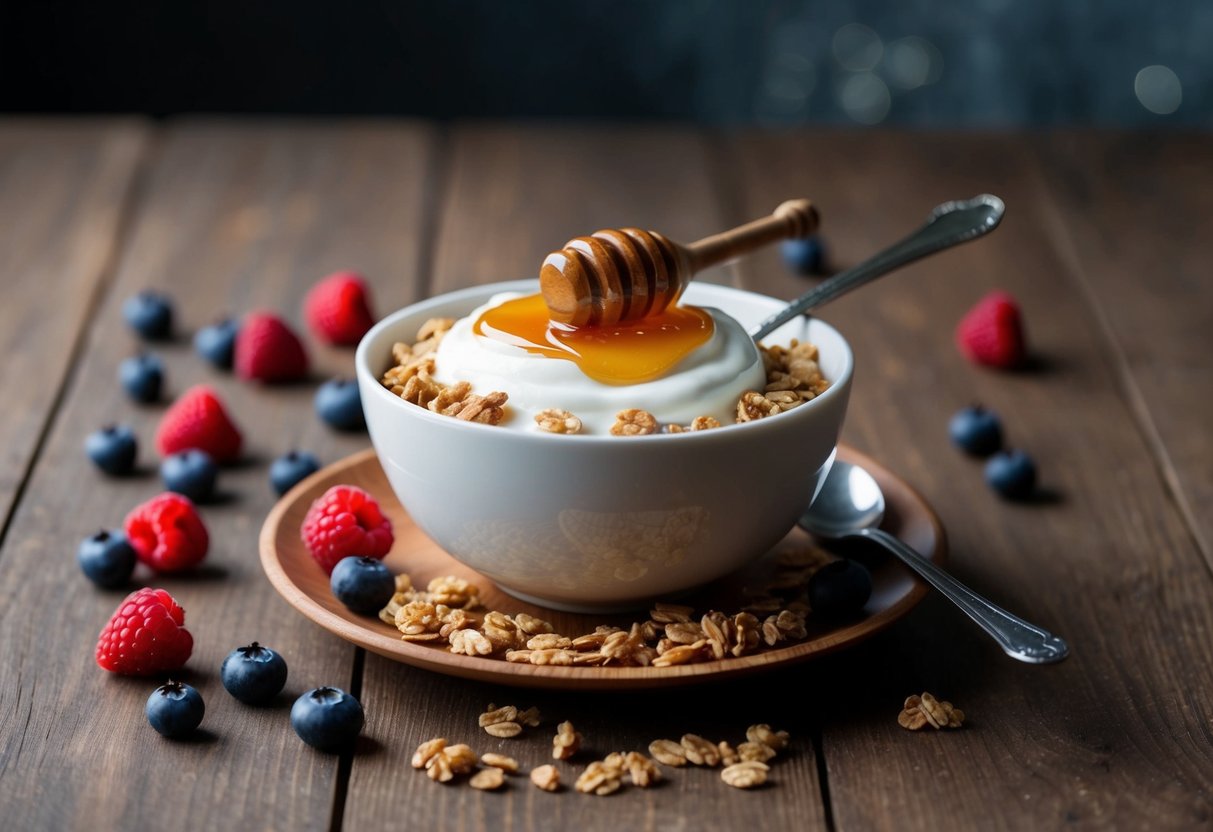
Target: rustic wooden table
pixel 1106 243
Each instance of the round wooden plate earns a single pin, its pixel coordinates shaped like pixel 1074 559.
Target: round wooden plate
pixel 296 576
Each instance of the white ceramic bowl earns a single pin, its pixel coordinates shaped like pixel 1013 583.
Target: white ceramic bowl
pixel 603 522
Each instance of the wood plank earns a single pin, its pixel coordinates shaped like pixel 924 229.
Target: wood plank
pixel 63 194
pixel 1131 215
pixel 1117 735
pixel 515 194
pixel 235 216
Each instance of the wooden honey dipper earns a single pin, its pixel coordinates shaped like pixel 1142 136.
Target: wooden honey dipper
pixel 625 274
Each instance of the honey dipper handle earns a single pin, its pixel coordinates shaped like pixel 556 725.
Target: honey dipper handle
pixel 794 218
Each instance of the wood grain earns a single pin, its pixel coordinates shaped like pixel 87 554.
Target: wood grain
pixel 1118 734
pixel 514 195
pixel 234 217
pixel 64 187
pixel 1131 215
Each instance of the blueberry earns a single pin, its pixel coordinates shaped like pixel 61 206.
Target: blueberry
pixel 112 449
pixel 976 430
pixel 253 674
pixel 363 584
pixel 805 255
pixel 217 343
pixel 327 718
pixel 150 314
pixel 339 405
pixel 1012 474
pixel 175 709
pixel 106 558
pixel 840 588
pixel 191 473
pixel 291 468
pixel 142 376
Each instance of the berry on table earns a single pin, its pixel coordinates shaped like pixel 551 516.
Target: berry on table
pixel 839 588
pixel 167 534
pixel 364 585
pixel 175 709
pixel 146 635
pixel 106 558
pixel 268 351
pixel 992 334
pixel 217 343
pixel 291 468
pixel 328 719
pixel 253 674
pixel 345 521
pixel 976 430
pixel 803 255
pixel 112 449
pixel 338 308
pixel 339 406
pixel 1012 474
pixel 142 377
pixel 192 473
pixel 150 314
pixel 199 420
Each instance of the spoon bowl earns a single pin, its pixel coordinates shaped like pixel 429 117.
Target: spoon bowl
pixel 851 505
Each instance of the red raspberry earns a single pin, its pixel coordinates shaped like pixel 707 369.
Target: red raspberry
pixel 991 333
pixel 145 635
pixel 345 521
pixel 199 420
pixel 268 351
pixel 166 533
pixel 338 308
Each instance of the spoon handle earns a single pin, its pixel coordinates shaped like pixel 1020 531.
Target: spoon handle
pixel 1017 637
pixel 950 224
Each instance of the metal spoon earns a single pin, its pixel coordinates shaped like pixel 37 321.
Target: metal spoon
pixel 950 224
pixel 851 505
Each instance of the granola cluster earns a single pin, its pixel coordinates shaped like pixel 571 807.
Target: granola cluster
pixel 793 377
pixel 921 711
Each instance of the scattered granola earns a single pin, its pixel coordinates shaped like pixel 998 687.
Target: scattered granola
pixel 448 762
pixel 699 751
pixel 566 743
pixel 745 775
pixel 759 751
pixel 641 769
pixel 600 778
pixel 487 779
pixel 775 740
pixel 554 420
pixel 668 753
pixel 507 764
pixel 546 778
pixel 920 711
pixel 634 422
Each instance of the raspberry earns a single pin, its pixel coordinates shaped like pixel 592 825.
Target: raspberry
pixel 345 521
pixel 338 308
pixel 268 351
pixel 145 635
pixel 198 420
pixel 167 533
pixel 991 333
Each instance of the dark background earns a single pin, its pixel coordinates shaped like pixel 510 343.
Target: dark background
pixel 967 63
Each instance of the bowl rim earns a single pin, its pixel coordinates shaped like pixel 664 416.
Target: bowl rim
pixel 481 292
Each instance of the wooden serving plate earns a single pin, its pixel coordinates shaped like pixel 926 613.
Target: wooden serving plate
pixel 301 582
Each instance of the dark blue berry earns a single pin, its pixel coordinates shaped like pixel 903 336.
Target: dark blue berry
pixel 106 558
pixel 150 314
pixel 364 585
pixel 339 405
pixel 327 718
pixel 142 377
pixel 976 430
pixel 805 255
pixel 217 343
pixel 1012 474
pixel 175 709
pixel 839 589
pixel 253 674
pixel 191 473
pixel 112 449
pixel 291 468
